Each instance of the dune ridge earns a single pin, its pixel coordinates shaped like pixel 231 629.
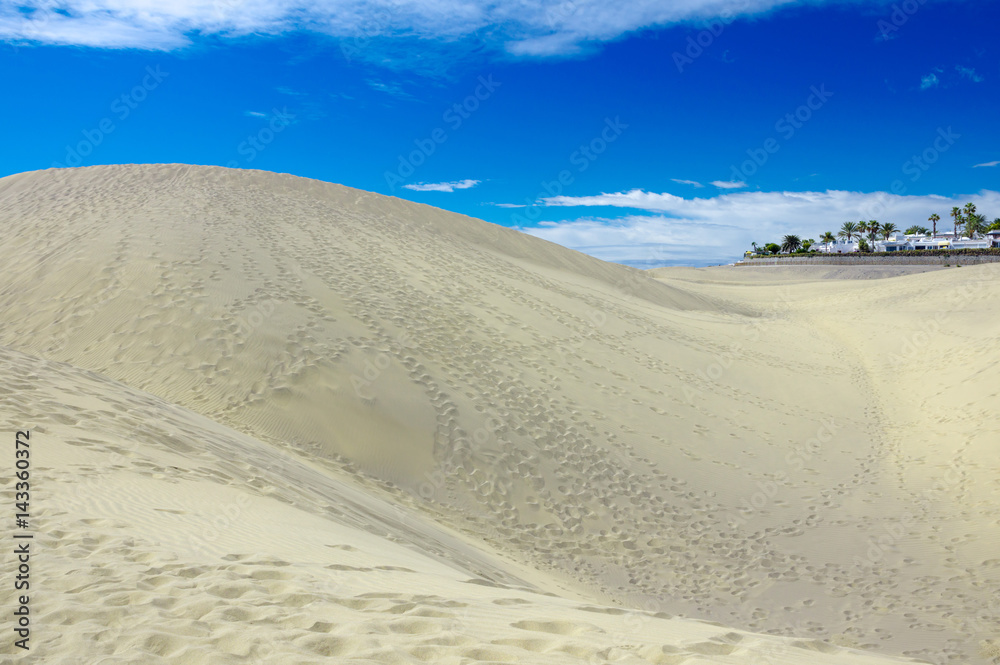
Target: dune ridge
pixel 571 436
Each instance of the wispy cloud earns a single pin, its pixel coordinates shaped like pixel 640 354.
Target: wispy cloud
pixel 255 114
pixel 529 27
pixel 720 228
pixel 986 164
pixel 968 73
pixel 442 186
pixel 393 89
pixel 729 184
pixel 941 77
pixel 688 182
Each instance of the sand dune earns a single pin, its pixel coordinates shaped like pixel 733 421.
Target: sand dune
pixel 287 420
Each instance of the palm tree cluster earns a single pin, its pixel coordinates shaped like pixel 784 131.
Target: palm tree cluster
pixel 871 228
pixel 867 232
pixel 971 222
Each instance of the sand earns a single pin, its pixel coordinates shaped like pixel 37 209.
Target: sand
pixel 285 421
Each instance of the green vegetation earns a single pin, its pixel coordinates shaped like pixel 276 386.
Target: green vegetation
pixel 790 244
pixel 975 224
pixel 848 231
pixel 989 251
pixel 867 232
pixel 872 228
pixel 956 214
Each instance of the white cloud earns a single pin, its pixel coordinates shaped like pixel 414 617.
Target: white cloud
pixel 986 164
pixel 720 228
pixel 255 114
pixel 442 186
pixel 929 81
pixel 688 182
pixel 527 27
pixel 394 89
pixel 729 184
pixel 969 73
pixel 644 240
pixel 104 27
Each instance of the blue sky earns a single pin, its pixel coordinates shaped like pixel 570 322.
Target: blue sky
pixel 652 134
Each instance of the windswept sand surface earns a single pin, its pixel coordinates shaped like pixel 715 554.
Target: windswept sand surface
pixel 788 274
pixel 278 420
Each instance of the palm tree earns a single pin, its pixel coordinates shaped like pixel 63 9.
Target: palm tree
pixel 827 237
pixel 975 223
pixel 790 244
pixel 755 250
pixel 934 219
pixel 956 214
pixel 970 210
pixel 848 230
pixel 873 229
pixel 887 230
pixel 916 230
pixel 862 228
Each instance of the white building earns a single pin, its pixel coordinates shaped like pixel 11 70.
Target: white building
pixel 838 246
pixel 965 243
pixel 930 242
pixel 900 241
